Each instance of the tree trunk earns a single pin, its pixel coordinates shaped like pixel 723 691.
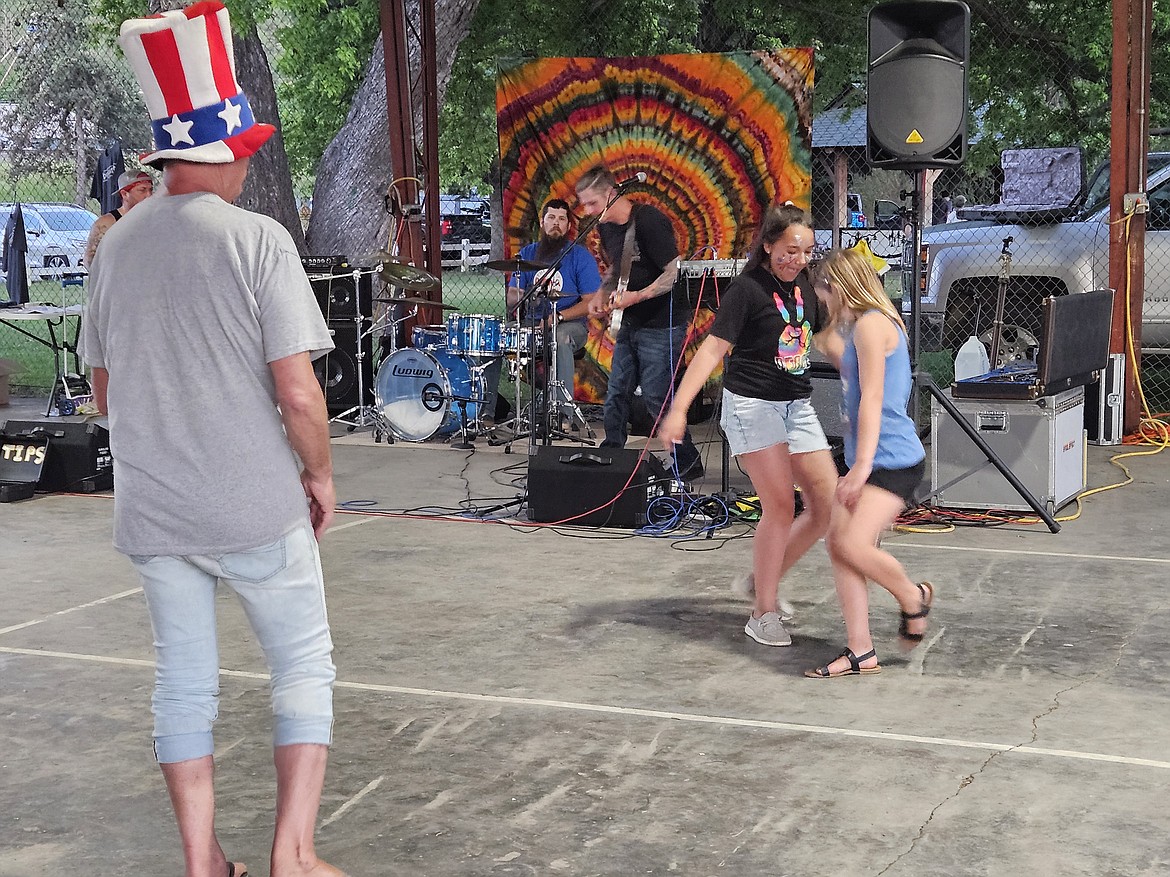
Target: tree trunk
pixel 268 187
pixel 349 198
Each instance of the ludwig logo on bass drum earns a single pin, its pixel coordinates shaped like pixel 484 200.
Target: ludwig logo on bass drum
pixel 413 371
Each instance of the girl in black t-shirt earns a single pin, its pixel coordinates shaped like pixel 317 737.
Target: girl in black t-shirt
pixel 766 319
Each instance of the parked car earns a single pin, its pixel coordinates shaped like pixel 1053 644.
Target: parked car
pixel 56 236
pixel 1054 252
pixel 887 214
pixel 464 216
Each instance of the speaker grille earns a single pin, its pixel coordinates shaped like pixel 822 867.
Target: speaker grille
pixel 341 298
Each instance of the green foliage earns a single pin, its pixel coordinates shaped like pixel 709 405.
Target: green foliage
pixel 325 48
pixel 35 186
pixel 63 71
pixel 507 29
pixel 1039 72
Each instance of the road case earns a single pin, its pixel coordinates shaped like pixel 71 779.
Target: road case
pixel 1040 440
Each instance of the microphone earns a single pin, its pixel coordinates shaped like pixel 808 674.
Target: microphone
pixel 639 177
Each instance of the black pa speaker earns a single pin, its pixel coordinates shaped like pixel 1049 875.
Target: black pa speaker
pixel 578 486
pixel 337 371
pixel 341 296
pixel 917 84
pixel 77 457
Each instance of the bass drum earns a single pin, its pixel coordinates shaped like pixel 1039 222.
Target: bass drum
pixel 419 392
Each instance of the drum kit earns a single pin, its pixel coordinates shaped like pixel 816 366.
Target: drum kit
pixel 438 386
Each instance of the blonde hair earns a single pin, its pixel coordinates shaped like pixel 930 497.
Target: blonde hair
pixel 856 284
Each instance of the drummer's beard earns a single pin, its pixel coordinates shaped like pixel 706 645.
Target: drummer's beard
pixel 548 248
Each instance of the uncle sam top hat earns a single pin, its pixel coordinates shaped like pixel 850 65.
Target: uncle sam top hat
pixel 183 60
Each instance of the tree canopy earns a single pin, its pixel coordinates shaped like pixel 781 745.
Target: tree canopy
pixel 1039 72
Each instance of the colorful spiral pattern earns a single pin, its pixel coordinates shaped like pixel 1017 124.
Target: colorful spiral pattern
pixel 720 136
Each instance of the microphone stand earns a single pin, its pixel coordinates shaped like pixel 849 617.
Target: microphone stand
pixel 540 288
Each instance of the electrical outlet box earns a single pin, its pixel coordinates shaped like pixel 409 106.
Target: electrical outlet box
pixel 1135 202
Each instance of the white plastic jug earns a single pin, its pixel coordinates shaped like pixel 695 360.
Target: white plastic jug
pixel 971 360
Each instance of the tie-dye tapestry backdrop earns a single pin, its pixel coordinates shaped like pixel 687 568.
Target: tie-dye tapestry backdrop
pixel 719 136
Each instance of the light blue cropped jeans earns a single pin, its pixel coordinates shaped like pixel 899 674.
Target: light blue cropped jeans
pixel 282 590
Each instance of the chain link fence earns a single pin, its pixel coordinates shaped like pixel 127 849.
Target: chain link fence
pixel 1039 78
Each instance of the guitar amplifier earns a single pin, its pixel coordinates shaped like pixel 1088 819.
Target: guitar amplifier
pixel 578 486
pixel 702 281
pixel 324 264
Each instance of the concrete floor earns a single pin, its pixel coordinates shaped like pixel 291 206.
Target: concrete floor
pixel 581 702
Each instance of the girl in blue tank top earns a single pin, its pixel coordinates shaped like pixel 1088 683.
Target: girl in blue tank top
pixel 886 459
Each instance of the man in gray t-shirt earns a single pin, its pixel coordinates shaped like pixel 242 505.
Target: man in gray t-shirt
pixel 201 328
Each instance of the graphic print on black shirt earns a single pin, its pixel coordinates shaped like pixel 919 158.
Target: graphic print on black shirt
pixel 792 350
pixel 770 324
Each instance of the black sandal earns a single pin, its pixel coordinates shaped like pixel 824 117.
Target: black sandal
pixel 855 668
pixel 232 870
pixel 910 640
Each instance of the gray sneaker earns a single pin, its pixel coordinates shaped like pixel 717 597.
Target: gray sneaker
pixel 768 630
pixel 744 585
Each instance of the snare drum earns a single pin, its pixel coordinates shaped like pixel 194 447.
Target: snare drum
pixel 419 392
pixel 428 337
pixel 474 334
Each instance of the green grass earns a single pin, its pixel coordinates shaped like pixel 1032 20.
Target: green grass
pixel 475 293
pixel 57 186
pixel 35 374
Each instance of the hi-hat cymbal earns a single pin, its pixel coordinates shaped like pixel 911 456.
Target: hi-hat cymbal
pixel 414 300
pixel 513 265
pixel 408 277
pixel 376 256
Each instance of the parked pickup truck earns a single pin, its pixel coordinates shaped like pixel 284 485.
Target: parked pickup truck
pixel 1054 252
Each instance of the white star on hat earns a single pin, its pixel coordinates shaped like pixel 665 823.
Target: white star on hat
pixel 179 131
pixel 231 115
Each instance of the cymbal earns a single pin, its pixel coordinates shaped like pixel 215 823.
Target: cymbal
pixel 407 276
pixel 377 256
pixel 513 265
pixel 417 301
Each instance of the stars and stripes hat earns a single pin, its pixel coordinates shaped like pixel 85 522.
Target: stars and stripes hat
pixel 184 63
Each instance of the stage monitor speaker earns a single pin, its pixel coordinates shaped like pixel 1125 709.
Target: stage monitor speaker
pixel 578 486
pixel 337 370
pixel 917 84
pixel 340 297
pixel 77 457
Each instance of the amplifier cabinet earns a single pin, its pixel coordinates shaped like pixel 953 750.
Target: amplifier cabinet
pixel 580 484
pixel 1040 440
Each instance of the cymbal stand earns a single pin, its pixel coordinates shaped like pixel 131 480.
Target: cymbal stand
pixel 364 416
pixel 558 396
pixel 523 423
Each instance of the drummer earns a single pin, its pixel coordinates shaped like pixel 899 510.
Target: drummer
pixel 576 281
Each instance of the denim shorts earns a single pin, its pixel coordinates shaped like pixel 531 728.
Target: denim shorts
pixel 754 424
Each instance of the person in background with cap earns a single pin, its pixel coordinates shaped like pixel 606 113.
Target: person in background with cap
pixel 201 327
pixel 133 187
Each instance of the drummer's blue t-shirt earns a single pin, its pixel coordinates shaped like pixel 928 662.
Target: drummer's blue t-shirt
pixel 577 276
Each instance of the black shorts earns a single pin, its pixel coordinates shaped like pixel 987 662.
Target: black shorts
pixel 900 482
